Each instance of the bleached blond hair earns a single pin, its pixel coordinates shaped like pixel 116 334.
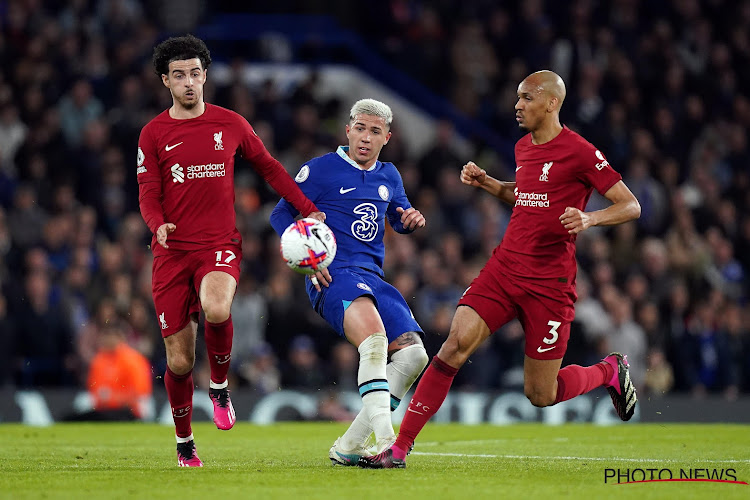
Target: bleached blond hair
pixel 373 108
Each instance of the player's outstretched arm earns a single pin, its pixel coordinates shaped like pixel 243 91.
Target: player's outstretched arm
pixel 472 175
pixel 624 208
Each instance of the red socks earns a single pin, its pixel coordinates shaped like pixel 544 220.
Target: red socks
pixel 428 397
pixel 574 380
pixel 219 346
pixel 180 395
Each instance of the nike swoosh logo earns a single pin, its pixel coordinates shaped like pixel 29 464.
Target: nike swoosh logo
pixel 415 411
pixel 344 191
pixel 222 265
pixel 539 349
pixel 519 168
pixel 222 362
pixel 170 148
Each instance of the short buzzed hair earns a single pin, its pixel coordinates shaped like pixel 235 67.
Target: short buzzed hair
pixel 179 49
pixel 373 108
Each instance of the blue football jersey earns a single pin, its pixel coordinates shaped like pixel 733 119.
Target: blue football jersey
pixel 356 203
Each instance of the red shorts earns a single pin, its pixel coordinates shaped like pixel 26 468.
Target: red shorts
pixel 176 280
pixel 544 308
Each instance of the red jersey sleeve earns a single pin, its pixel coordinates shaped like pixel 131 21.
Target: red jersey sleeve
pixel 595 170
pixel 149 181
pixel 253 150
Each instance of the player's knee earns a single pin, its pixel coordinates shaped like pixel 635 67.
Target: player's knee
pixel 539 396
pixel 419 358
pixel 217 312
pixel 411 359
pixel 181 363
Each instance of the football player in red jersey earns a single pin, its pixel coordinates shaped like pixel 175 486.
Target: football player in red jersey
pixel 186 181
pixel 531 274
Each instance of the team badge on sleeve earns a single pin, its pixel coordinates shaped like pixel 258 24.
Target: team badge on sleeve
pixel 141 158
pixel 303 173
pixel 604 162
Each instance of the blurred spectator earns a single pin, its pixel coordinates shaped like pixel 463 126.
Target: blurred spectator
pixel 26 219
pixel 688 252
pixel 249 317
pixel 659 375
pixel 119 377
pixel 142 332
pixel 733 327
pixel 12 135
pixel 43 338
pixel 260 371
pixel 590 313
pixel 77 109
pixel 8 338
pixel 705 353
pixel 284 318
pixel 344 366
pixel 303 368
pixel 655 261
pixel 627 336
pixel 330 408
pixel 442 154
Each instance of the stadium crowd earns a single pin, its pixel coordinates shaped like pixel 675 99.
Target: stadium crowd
pixel 662 88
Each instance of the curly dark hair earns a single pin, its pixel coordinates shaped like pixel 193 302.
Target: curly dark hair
pixel 178 49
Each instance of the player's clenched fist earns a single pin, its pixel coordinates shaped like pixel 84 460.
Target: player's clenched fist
pixel 472 175
pixel 411 218
pixel 575 220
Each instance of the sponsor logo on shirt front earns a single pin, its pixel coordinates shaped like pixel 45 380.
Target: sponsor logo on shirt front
pixel 178 175
pixel 207 170
pixel 531 199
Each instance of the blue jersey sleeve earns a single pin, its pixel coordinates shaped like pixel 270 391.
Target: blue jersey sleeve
pixel 399 200
pixel 284 212
pixel 282 216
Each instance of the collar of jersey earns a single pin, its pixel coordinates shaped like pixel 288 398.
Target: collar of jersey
pixel 342 152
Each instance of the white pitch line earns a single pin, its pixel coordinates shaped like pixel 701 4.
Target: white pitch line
pixel 486 441
pixel 601 459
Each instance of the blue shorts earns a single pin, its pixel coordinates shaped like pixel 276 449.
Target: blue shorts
pixel 348 284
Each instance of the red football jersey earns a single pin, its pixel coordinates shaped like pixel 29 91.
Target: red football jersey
pixel 186 176
pixel 550 177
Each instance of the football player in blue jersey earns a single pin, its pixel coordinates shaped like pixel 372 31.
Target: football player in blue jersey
pixel 357 193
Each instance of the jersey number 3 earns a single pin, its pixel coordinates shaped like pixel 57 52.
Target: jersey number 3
pixel 366 227
pixel 552 331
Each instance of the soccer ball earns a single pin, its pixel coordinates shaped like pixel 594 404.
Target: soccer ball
pixel 308 246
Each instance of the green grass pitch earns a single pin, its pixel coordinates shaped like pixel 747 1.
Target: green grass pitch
pixel 290 460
